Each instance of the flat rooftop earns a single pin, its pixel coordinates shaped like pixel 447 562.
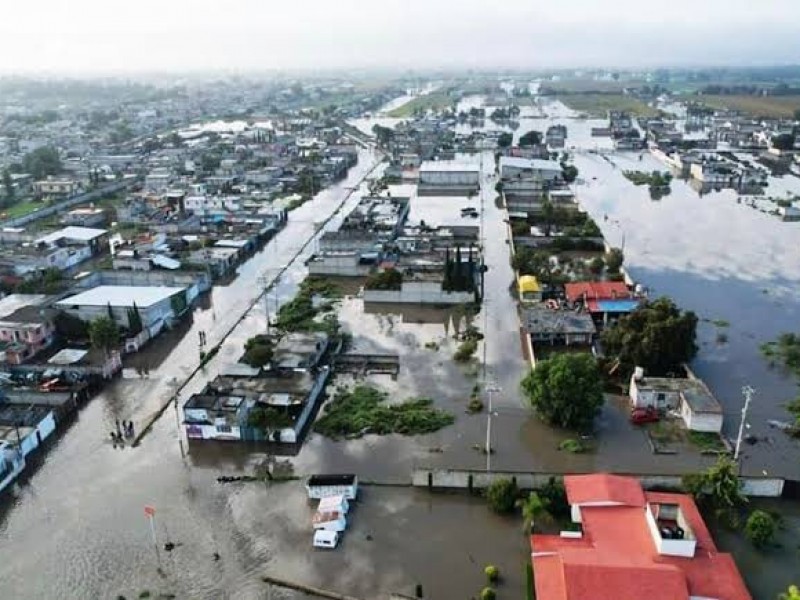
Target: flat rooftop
pixel 121 295
pixel 83 234
pixel 537 319
pixel 13 302
pixel 450 166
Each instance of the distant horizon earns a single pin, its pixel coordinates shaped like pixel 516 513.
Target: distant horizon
pixel 392 72
pixel 86 37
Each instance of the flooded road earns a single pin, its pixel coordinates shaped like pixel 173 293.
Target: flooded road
pixel 74 514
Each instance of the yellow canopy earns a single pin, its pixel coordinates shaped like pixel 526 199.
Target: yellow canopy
pixel 528 284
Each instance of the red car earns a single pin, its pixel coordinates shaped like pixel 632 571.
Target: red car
pixel 640 416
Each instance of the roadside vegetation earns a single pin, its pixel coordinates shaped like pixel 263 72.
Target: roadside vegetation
pixel 300 314
pixel 363 410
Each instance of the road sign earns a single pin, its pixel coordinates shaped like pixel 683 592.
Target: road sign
pixel 150 511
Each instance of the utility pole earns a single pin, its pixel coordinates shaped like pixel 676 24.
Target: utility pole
pixel 490 389
pixel 748 396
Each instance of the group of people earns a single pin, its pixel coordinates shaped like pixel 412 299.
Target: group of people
pixel 124 431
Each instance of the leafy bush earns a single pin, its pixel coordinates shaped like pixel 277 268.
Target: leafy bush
pixel 475 406
pixel 488 593
pixel 388 279
pixel 356 412
pixel 502 495
pixel 492 573
pixel 573 446
pixel 465 351
pixel 760 528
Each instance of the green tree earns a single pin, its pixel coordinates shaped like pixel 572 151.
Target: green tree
pixel 566 390
pixel 784 141
pixel 548 216
pixel 656 336
pixel 269 419
pixel 533 508
pixel 42 162
pixel 532 138
pixel 760 528
pixel 8 186
pixel 505 139
pixel 104 334
pixel 258 351
pixel 502 495
pixel 596 265
pixel 614 259
pixel 134 320
pixel 569 172
pixel 719 489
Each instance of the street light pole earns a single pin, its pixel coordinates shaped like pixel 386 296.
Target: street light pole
pixel 748 394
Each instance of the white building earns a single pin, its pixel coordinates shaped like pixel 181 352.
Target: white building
pixel 449 173
pixel 157 305
pixel 698 408
pixel 513 167
pixel 200 205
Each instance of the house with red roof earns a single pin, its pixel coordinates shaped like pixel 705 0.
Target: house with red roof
pixel 604 300
pixel 633 545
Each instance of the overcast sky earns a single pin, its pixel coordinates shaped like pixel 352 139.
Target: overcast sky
pixel 101 36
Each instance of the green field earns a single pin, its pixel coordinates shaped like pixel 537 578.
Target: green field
pixel 762 106
pixel 432 101
pixel 22 208
pixel 597 105
pixel 581 86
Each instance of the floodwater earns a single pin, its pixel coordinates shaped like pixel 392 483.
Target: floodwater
pixel 712 254
pixel 770 571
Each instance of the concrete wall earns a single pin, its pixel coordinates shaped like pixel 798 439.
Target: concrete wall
pixel 418 296
pixel 459 479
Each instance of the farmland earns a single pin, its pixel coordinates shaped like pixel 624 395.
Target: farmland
pixel 762 106
pixel 597 105
pixel 433 101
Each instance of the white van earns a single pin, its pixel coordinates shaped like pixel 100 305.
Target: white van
pixel 326 539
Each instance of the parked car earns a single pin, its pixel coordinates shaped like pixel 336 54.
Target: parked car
pixel 326 539
pixel 640 416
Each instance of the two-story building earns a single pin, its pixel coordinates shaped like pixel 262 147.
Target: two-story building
pixel 26 328
pixel 631 544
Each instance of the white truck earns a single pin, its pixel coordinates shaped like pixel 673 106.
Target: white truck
pixel 322 486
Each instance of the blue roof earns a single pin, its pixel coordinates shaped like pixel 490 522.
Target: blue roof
pixel 617 306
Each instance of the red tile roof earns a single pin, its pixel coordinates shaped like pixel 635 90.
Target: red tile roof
pixel 596 290
pixel 617 558
pixel 602 487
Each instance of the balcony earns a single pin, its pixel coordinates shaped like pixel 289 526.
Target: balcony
pixel 671 532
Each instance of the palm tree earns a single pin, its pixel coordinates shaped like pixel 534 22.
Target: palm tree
pixel 533 508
